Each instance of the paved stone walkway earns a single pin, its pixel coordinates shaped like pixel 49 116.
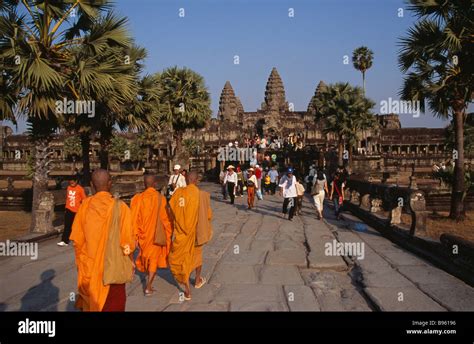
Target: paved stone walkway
pixel 258 261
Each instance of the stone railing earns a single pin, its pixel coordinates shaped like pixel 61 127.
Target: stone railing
pixel 373 198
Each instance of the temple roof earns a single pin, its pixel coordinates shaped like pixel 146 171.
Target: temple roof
pixel 275 98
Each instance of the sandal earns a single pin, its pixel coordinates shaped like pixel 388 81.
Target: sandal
pixel 149 292
pixel 199 285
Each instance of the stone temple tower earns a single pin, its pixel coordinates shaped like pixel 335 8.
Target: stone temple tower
pixel 275 104
pixel 230 107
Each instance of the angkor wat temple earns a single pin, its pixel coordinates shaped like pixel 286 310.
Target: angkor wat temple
pixel 390 149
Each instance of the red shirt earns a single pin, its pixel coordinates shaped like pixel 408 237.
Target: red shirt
pixel 74 197
pixel 258 173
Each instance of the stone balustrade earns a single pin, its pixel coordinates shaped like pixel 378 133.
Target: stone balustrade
pixel 375 197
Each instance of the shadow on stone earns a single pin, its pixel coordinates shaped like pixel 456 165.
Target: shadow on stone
pixel 43 295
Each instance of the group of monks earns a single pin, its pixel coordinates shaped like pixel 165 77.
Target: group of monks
pixel 181 252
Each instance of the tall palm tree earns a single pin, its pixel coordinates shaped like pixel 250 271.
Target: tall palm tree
pixel 437 58
pixel 345 112
pixel 39 45
pixel 185 103
pixel 362 59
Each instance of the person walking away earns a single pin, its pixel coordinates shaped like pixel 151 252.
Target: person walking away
pixel 288 191
pixel 177 180
pixel 231 181
pixel 240 182
pixel 266 183
pixel 103 244
pixel 252 185
pixel 273 179
pixel 299 198
pixel 150 223
pixel 337 193
pixel 192 214
pixel 318 191
pixel 258 174
pixel 75 194
pixel 223 186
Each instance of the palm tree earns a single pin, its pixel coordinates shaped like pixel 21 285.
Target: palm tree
pixel 72 149
pixel 185 103
pixel 36 48
pixel 437 57
pixel 345 112
pixel 362 58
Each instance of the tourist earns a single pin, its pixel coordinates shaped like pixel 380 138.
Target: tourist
pixel 273 179
pixel 252 185
pixel 230 181
pixel 75 194
pixel 183 173
pixel 267 182
pixel 191 216
pixel 152 230
pixel 223 186
pixel 300 194
pixel 318 191
pixel 258 174
pixel 176 181
pixel 288 191
pixel 310 177
pixel 102 271
pixel 240 182
pixel 337 193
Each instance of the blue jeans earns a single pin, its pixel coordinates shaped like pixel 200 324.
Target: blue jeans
pixel 337 206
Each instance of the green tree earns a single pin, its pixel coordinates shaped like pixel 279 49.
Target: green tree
pixel 73 149
pixel 437 58
pixel 362 59
pixel 137 154
pixel 193 146
pixel 118 147
pixel 345 112
pixel 40 42
pixel 185 104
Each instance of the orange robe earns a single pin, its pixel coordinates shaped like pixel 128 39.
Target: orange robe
pixel 90 233
pixel 185 256
pixel 145 211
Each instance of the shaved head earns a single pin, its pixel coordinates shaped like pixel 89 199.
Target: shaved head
pixel 101 180
pixel 150 180
pixel 192 177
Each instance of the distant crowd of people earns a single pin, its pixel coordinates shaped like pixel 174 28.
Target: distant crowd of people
pixel 256 181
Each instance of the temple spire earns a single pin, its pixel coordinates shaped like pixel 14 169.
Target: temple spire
pixel 318 89
pixel 230 107
pixel 275 99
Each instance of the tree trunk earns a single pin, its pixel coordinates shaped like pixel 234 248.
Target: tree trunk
pixel 363 81
pixel 457 193
pixel 40 176
pixel 104 155
pixel 340 151
pixel 86 163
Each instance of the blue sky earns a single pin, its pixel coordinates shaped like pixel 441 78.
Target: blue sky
pixel 305 49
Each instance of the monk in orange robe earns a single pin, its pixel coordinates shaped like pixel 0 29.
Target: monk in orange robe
pixel 185 256
pixel 148 207
pixel 90 235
